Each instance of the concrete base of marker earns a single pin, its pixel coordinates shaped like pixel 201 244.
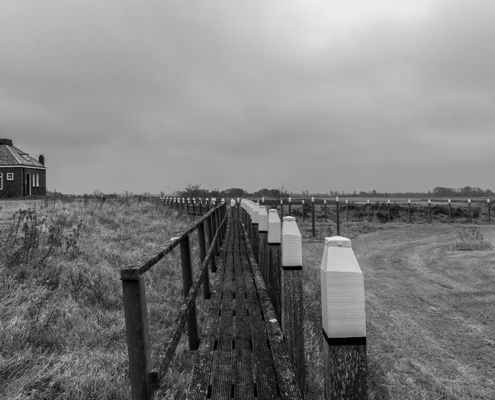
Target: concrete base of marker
pixel 346 368
pixel 263 258
pixel 255 241
pixel 292 319
pixel 275 276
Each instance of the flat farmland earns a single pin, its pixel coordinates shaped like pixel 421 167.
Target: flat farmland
pixel 430 310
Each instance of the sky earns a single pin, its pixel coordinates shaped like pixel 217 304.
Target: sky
pixel 148 96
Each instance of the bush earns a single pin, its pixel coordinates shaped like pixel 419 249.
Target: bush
pixel 472 239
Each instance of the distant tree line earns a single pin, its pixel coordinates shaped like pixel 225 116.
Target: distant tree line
pixel 467 191
pixel 195 190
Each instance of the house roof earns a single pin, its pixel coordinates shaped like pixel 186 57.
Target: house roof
pixel 11 155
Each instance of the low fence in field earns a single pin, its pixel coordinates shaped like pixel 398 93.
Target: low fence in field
pixel 212 224
pixel 384 212
pixel 277 246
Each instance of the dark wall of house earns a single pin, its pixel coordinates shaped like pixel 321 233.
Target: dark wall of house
pixel 16 188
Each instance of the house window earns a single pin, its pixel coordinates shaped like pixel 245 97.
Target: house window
pixel 10 176
pixel 1 181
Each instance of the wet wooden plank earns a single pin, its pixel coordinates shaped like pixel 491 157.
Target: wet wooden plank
pixel 285 376
pixel 244 384
pixel 223 377
pixel 198 388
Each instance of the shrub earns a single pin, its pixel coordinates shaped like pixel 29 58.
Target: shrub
pixel 472 239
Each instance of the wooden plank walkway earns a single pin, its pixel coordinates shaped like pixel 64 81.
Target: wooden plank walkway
pixel 242 353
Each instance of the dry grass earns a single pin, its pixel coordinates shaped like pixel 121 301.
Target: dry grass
pixel 62 326
pixel 471 240
pixel 429 311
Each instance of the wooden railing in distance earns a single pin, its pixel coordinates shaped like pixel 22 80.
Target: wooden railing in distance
pixel 144 382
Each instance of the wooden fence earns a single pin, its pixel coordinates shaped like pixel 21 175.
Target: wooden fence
pixel 339 207
pixel 144 382
pixel 278 250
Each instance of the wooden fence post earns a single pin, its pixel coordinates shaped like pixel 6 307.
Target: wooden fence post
pixel 291 297
pixel 254 231
pixel 409 205
pixel 469 211
pixel 388 210
pixel 232 208
pixel 274 259
pixel 202 256
pixel 346 211
pixel 369 206
pixel 325 209
pixel 429 209
pixel 263 245
pixel 313 215
pixel 450 212
pixel 187 280
pixel 303 213
pixel 488 206
pixel 137 336
pixel 211 234
pixel 344 322
pixel 338 216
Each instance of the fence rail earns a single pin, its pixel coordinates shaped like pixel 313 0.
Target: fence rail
pixel 144 382
pixel 452 211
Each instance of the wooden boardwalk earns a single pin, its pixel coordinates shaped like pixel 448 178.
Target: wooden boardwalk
pixel 242 353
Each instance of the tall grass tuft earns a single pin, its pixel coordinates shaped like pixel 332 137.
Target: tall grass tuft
pixel 472 239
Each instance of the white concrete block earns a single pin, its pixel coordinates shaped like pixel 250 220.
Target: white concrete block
pixel 262 219
pixel 291 243
pixel 254 213
pixel 342 290
pixel 274 227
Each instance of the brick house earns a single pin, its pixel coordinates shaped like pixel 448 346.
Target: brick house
pixel 20 174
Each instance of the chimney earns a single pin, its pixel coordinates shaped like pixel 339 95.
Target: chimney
pixel 42 160
pixel 7 142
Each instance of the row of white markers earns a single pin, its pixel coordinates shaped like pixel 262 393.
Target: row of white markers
pixel 342 281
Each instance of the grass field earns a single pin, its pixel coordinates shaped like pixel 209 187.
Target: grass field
pixel 429 306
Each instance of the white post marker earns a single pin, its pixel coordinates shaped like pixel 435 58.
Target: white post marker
pixel 469 200
pixel 291 243
pixel 232 203
pixel 262 199
pixel 254 213
pixel 324 201
pixel 274 227
pixel 344 321
pixel 223 200
pixel 262 219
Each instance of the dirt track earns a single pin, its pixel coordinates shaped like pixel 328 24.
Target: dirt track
pixel 430 310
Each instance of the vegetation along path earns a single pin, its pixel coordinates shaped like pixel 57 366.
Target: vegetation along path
pixel 242 354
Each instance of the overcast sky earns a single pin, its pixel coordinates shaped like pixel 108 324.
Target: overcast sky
pixel 392 95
